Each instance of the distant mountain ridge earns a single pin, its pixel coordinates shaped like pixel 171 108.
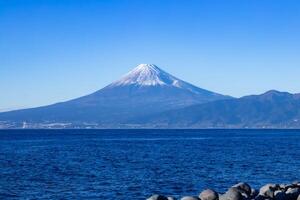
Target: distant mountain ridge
pixel 272 109
pixel 145 90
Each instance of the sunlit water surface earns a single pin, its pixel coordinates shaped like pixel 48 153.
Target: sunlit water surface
pixel 133 164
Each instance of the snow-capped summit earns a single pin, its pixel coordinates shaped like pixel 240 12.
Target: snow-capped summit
pixel 150 75
pixel 144 75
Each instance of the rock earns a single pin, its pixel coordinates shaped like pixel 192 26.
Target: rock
pixel 296 183
pixel 243 188
pixel 243 191
pixel 209 195
pixel 282 185
pixel 157 197
pixel 259 197
pixel 292 193
pixel 268 190
pixel 289 186
pixel 254 193
pixel 190 198
pixel 279 195
pixel 232 194
pixel 222 197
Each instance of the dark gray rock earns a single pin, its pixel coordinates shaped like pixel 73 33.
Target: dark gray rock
pixel 268 190
pixel 157 197
pixel 254 193
pixel 282 187
pixel 190 198
pixel 259 197
pixel 279 195
pixel 209 195
pixel 296 183
pixel 287 186
pixel 243 188
pixel 232 194
pixel 292 193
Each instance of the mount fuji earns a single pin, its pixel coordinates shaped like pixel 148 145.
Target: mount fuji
pixel 146 90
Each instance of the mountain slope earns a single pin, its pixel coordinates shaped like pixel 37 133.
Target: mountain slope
pixel 272 109
pixel 145 90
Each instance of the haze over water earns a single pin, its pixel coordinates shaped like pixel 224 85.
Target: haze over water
pixel 133 164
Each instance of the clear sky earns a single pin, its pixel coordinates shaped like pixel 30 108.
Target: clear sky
pixel 56 50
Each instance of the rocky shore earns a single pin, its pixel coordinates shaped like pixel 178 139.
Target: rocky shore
pixel 243 191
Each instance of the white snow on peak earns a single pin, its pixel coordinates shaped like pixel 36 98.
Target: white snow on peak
pixel 147 75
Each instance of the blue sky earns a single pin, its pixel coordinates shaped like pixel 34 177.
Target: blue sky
pixel 52 51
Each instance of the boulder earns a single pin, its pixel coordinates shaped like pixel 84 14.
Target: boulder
pixel 259 197
pixel 268 190
pixel 157 197
pixel 232 194
pixel 296 183
pixel 190 198
pixel 254 193
pixel 171 198
pixel 288 186
pixel 292 193
pixel 209 195
pixel 282 187
pixel 243 188
pixel 279 195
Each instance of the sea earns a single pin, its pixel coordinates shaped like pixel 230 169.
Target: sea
pixel 134 164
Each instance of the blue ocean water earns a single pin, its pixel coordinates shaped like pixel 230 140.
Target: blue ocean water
pixel 133 164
